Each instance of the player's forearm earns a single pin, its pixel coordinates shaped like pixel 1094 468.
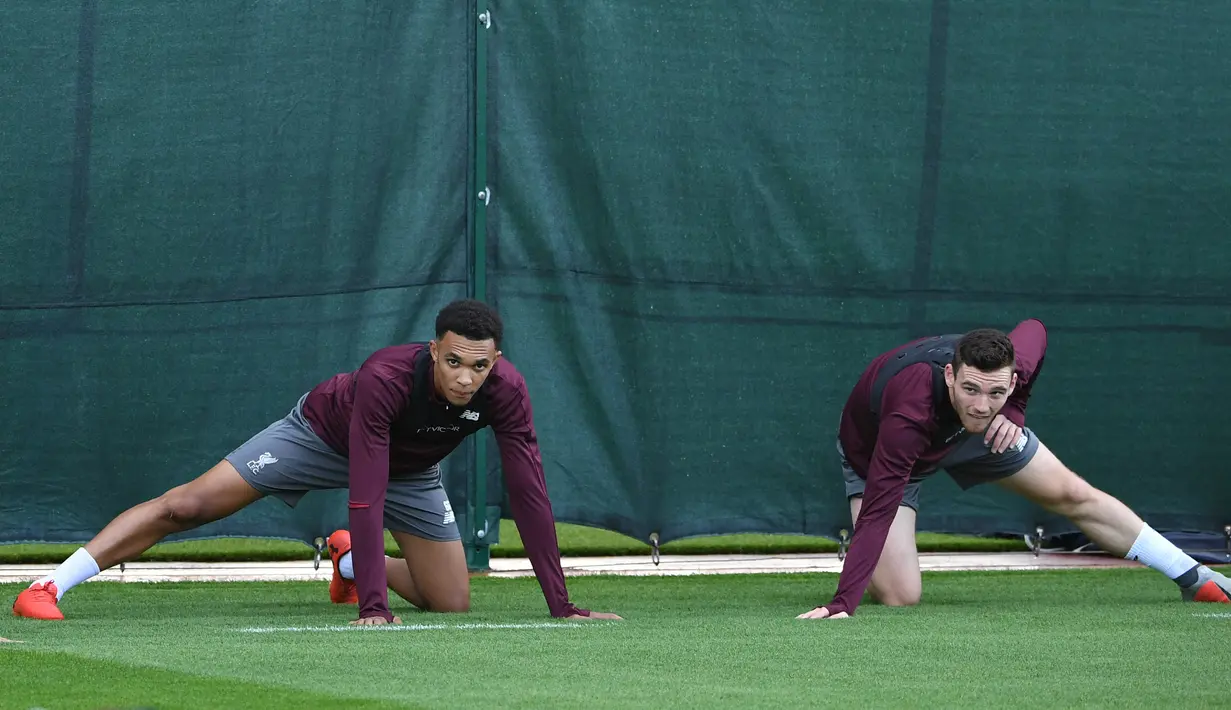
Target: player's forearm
pixel 880 504
pixel 377 401
pixel 368 556
pixel 536 524
pixel 537 528
pixel 1030 347
pixel 1015 411
pixel 366 512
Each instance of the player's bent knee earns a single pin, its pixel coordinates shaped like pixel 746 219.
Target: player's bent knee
pixel 898 589
pixel 902 594
pixel 900 598
pixel 454 603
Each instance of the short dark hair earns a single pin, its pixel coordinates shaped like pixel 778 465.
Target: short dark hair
pixel 985 349
pixel 471 319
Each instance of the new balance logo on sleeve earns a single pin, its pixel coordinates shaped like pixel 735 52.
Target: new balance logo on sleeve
pixel 470 415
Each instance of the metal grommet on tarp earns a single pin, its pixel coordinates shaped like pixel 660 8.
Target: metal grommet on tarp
pixel 319 545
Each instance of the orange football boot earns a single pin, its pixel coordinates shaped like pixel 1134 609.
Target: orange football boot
pixel 1210 586
pixel 39 602
pixel 341 590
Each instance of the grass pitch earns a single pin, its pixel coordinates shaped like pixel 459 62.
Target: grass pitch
pixel 1106 638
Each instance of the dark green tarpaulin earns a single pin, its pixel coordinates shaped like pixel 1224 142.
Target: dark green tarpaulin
pixel 705 217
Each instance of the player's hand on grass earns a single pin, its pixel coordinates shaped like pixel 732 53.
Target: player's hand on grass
pixel 596 615
pixel 375 621
pixel 822 613
pixel 1001 434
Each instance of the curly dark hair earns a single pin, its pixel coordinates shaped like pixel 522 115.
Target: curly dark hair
pixel 471 319
pixel 985 349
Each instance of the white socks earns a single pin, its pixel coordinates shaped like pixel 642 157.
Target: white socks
pixel 1156 552
pixel 76 569
pixel 347 567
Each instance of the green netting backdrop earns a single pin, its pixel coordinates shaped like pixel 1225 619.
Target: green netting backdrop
pixel 705 217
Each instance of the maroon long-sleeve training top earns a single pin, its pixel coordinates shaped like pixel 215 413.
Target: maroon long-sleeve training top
pixel 887 452
pixel 367 416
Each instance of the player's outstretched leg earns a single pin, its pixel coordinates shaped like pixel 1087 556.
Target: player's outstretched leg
pixel 215 494
pixel 896 581
pixel 1113 527
pixel 431 575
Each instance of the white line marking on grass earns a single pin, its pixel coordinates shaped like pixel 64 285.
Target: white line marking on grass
pixel 1216 615
pixel 402 627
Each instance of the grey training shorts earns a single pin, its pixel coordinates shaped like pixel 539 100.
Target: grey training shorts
pixel 969 464
pixel 288 459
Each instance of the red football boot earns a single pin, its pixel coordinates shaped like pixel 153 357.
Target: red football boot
pixel 39 601
pixel 341 590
